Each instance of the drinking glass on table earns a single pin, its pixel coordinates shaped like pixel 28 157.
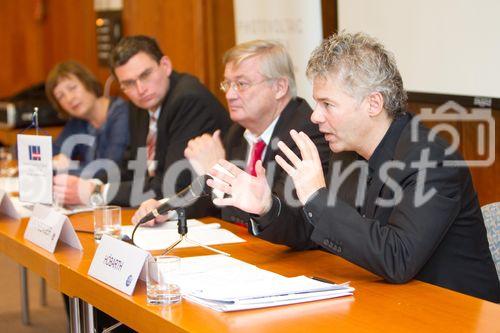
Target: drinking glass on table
pixel 107 220
pixel 162 273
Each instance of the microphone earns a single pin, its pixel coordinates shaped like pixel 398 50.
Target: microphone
pixel 183 198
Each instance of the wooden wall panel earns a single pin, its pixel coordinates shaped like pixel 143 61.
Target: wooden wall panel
pixel 69 33
pixel 486 179
pixel 193 33
pixel 224 37
pixel 175 25
pixel 22 52
pixel 32 46
pixel 329 16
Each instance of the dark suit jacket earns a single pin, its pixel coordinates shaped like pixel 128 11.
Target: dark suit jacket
pixel 443 241
pixel 188 110
pixel 296 115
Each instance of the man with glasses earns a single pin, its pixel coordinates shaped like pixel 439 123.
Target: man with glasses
pixel 169 109
pixel 260 89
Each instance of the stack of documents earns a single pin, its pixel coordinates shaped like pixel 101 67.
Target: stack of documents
pixel 227 284
pixel 162 235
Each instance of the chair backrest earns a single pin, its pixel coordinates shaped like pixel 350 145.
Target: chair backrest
pixel 491 215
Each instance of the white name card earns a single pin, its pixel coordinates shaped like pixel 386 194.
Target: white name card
pixel 7 207
pixel 34 159
pixel 118 264
pixel 46 226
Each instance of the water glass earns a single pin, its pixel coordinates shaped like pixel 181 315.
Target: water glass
pixel 162 274
pixel 107 220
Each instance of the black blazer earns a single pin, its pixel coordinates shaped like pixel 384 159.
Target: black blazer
pixel 188 110
pixel 296 115
pixel 442 242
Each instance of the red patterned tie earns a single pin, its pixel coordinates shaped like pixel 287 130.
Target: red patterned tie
pixel 151 143
pixel 255 155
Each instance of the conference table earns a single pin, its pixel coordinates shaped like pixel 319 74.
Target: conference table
pixel 376 306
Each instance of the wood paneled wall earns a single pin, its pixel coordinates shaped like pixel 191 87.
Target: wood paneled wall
pixel 31 45
pixel 21 44
pixel 194 33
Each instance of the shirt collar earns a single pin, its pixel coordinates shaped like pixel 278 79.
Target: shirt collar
pixel 155 113
pixel 386 148
pixel 265 136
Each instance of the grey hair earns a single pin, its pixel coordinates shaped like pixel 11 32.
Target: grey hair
pixel 275 61
pixel 363 66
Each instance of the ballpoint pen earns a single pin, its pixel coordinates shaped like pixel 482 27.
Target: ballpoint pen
pixel 322 279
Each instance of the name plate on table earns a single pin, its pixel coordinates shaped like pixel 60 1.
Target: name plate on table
pixel 118 264
pixel 34 157
pixel 46 226
pixel 7 207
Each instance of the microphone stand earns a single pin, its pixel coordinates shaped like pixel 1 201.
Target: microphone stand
pixel 182 229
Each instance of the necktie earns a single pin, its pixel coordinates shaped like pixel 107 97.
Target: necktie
pixel 151 144
pixel 255 155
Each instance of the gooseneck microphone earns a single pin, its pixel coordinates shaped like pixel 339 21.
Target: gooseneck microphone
pixel 183 198
pixel 178 203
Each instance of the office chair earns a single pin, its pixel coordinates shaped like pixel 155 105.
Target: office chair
pixel 491 215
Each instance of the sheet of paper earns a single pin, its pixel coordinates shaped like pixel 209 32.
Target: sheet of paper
pixel 162 235
pixel 227 284
pixel 228 307
pixel 9 184
pixel 204 273
pixel 34 153
pixel 258 288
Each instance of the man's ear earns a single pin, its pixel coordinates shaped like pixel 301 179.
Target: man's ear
pixel 167 64
pixel 281 87
pixel 375 103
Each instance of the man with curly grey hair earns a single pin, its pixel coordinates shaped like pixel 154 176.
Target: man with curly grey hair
pixel 398 208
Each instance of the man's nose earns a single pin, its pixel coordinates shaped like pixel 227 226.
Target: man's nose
pixel 317 116
pixel 231 93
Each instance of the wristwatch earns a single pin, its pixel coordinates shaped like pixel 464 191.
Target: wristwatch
pixel 96 198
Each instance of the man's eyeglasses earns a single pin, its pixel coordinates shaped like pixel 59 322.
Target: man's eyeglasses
pixel 238 86
pixel 143 78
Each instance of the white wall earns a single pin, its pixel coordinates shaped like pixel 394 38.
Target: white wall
pixel 441 46
pixel 295 23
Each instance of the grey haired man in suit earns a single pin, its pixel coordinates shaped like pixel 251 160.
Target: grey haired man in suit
pixel 400 207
